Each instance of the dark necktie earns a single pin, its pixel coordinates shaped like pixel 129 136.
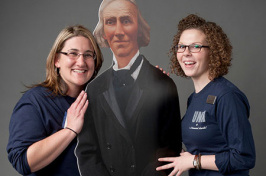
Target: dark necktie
pixel 123 77
pixel 123 84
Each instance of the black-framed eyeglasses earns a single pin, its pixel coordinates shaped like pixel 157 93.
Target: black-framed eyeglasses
pixel 74 55
pixel 193 48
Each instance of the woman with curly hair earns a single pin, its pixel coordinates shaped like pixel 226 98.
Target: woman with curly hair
pixel 215 129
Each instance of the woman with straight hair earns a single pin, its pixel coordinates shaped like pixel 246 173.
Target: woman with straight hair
pixel 49 116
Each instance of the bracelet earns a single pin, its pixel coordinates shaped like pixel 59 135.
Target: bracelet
pixel 72 130
pixel 197 162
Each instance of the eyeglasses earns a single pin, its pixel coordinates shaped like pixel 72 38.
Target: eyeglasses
pixel 74 55
pixel 193 48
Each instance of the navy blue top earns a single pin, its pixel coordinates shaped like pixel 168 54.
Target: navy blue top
pixel 36 116
pixel 216 123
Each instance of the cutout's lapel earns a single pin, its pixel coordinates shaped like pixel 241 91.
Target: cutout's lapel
pixel 110 106
pixel 109 96
pixel 139 93
pixel 134 101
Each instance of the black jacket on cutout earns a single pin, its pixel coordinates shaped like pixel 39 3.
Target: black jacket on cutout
pixel 108 145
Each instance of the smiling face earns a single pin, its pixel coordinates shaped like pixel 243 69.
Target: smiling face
pixel 75 72
pixel 121 28
pixel 194 65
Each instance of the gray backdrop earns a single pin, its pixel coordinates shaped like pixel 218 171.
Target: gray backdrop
pixel 29 28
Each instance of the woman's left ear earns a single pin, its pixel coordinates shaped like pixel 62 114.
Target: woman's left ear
pixel 56 61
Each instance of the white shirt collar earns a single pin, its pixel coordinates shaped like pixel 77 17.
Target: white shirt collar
pixel 136 72
pixel 115 67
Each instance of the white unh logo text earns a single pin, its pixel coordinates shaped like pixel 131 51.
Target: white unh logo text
pixel 199 117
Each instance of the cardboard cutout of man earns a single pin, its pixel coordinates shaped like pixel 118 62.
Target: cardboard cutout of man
pixel 133 116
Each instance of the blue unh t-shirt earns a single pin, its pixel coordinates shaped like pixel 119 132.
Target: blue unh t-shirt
pixel 216 123
pixel 36 116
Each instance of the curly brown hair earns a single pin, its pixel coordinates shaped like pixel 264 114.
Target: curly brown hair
pixel 220 47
